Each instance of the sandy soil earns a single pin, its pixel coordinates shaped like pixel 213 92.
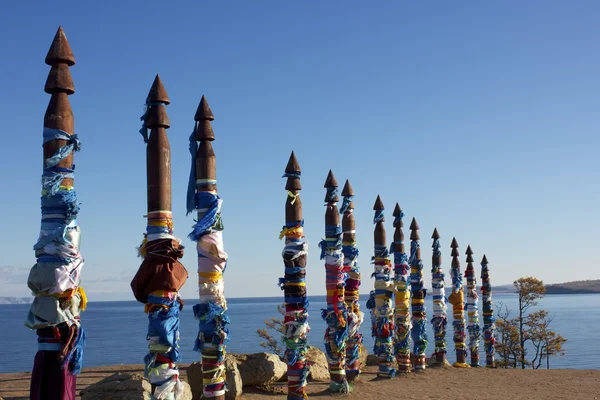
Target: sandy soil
pixel 433 383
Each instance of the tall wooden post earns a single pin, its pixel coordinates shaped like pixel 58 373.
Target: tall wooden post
pixel 440 319
pixel 336 315
pixel 351 294
pixel 457 299
pixel 161 275
pixel 488 314
pixel 472 310
pixel 384 296
pixel 55 278
pixel 294 284
pixel 402 282
pixel 419 333
pixel 211 312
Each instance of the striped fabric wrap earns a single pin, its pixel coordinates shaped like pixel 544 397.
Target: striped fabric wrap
pixel 489 322
pixel 440 318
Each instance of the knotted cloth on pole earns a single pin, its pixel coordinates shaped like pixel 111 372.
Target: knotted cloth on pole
pixel 472 310
pixel 403 294
pixel 293 285
pixel 419 318
pixel 457 299
pixel 161 275
pixel 440 319
pixel 55 279
pixel 351 295
pixel 384 296
pixel 211 312
pixel 335 315
pixel 489 322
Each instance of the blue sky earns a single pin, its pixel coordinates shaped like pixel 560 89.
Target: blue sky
pixel 479 119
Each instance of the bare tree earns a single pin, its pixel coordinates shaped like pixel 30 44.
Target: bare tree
pixel 273 333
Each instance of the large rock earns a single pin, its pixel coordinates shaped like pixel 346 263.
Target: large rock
pixel 125 386
pixel 364 354
pixel 372 360
pixel 232 377
pixel 260 369
pixel 319 369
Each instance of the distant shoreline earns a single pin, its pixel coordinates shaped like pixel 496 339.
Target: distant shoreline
pixel 557 289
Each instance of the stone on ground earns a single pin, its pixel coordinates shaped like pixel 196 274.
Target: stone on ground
pixel 232 377
pixel 260 369
pixel 319 369
pixel 125 386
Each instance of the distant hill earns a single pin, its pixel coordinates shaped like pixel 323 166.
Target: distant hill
pixel 16 300
pixel 576 287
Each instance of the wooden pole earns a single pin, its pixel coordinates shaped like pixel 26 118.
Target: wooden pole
pixel 161 275
pixel 55 278
pixel 336 315
pixel 294 284
pixel 419 318
pixel 211 311
pixel 488 314
pixel 351 294
pixel 403 295
pixel 440 319
pixel 384 296
pixel 457 299
pixel 472 310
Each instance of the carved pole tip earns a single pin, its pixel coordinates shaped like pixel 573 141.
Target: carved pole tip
pixel 292 165
pixel 60 50
pixel 158 93
pixel 435 235
pixel 330 181
pixel 414 225
pixel 347 190
pixel 378 206
pixel 204 112
pixel 454 243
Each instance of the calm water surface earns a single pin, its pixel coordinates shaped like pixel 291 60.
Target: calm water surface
pixel 116 331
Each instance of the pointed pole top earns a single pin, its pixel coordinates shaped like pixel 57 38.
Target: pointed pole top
pixel 158 93
pixel 378 206
pixel 435 235
pixel 347 190
pixel 60 50
pixel 469 251
pixel 204 113
pixel 414 225
pixel 292 165
pixel 454 243
pixel 397 210
pixel 331 182
pixel 484 260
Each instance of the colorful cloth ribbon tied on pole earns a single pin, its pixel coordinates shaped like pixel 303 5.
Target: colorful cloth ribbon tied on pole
pixel 293 285
pixel 335 315
pixel 472 310
pixel 351 294
pixel 419 319
pixel 384 297
pixel 55 279
pixel 211 312
pixel 161 275
pixel 457 299
pixel 489 322
pixel 403 295
pixel 440 319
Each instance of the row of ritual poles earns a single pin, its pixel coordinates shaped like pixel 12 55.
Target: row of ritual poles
pixel 55 279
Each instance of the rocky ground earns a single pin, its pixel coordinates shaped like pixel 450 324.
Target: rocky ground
pixel 433 383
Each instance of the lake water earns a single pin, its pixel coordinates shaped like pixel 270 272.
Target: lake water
pixel 116 331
